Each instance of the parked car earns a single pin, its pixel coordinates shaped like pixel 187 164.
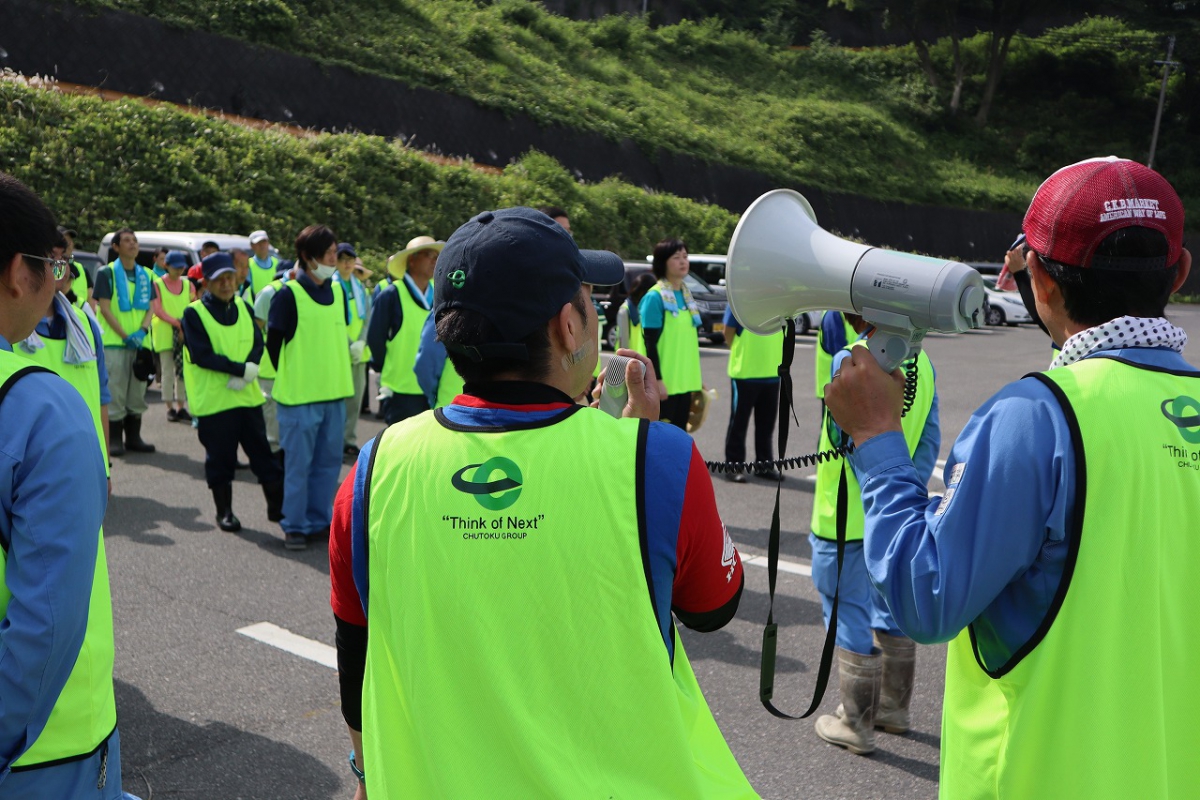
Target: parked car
pixel 1003 308
pixel 710 301
pixel 189 243
pixel 89 261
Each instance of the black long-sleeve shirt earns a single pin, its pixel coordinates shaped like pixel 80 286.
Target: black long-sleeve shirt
pixel 200 346
pixel 387 317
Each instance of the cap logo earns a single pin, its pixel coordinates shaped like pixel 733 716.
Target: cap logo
pixel 1131 208
pixel 458 278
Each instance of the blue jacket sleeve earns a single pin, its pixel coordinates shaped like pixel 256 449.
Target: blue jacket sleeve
pixel 941 563
pixel 52 501
pixel 431 360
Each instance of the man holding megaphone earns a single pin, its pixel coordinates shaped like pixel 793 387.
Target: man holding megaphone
pixel 1069 605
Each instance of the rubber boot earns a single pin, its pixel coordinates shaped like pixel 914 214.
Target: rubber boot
pixel 899 667
pixel 274 493
pixel 853 727
pixel 116 437
pixel 223 498
pixel 133 436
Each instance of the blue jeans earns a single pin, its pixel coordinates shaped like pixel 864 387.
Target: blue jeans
pixel 311 438
pixel 861 609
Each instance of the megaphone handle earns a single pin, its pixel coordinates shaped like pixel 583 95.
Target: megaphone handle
pixel 892 347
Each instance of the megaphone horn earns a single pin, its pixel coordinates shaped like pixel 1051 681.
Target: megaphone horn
pixel 781 263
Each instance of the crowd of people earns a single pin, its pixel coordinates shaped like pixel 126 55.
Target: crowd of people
pixel 477 630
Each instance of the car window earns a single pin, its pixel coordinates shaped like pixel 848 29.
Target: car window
pixel 695 283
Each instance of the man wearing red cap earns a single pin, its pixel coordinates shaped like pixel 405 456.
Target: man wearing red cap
pixel 1060 562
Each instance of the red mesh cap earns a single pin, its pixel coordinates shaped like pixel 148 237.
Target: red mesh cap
pixel 1078 206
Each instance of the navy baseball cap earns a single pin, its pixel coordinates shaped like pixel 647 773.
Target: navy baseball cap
pixel 346 249
pixel 216 264
pixel 177 259
pixel 516 267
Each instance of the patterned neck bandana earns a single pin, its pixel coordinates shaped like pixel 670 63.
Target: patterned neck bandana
pixel 671 305
pixel 1121 332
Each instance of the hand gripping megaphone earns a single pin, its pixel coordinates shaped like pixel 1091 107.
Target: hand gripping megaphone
pixel 781 263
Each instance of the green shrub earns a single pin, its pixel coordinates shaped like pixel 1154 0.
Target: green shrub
pixel 101 165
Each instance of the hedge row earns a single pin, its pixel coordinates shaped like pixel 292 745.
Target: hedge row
pixel 103 164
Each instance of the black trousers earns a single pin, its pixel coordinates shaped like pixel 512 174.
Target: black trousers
pixel 676 409
pixel 402 406
pixel 222 433
pixel 760 398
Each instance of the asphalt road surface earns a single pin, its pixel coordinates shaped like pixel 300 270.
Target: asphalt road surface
pixel 206 711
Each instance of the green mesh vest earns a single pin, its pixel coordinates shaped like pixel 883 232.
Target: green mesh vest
pixel 679 351
pixel 208 390
pixel 314 367
pixel 85 713
pixel 130 320
pixel 162 333
pixel 1101 703
pixel 84 377
pixel 401 355
pixel 754 356
pixel 824 515
pixel 513 648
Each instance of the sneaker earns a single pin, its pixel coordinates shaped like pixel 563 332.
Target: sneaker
pixel 172 415
pixel 349 454
pixel 183 416
pixel 295 541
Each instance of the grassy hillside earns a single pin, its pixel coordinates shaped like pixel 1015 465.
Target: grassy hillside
pixel 863 122
pixel 101 165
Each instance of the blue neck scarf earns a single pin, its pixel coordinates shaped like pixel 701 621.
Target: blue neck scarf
pixel 141 291
pixel 355 289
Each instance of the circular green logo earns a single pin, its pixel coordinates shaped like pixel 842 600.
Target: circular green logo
pixel 458 279
pixel 494 495
pixel 1185 415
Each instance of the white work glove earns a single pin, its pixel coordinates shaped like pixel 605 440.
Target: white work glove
pixel 356 351
pixel 236 384
pixel 251 372
pixel 384 393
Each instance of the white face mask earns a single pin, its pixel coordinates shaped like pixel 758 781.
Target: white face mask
pixel 324 272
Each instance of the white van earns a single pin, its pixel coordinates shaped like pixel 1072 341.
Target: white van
pixel 188 243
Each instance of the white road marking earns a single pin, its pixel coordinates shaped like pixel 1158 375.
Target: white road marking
pixel 289 642
pixel 784 566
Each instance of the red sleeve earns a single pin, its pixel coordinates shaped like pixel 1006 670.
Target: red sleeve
pixel 708 571
pixel 344 596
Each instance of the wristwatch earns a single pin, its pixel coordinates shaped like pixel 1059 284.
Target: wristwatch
pixel 358 772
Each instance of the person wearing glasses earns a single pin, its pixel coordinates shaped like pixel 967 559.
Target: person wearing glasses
pixel 124 291
pixel 58 719
pixel 66 341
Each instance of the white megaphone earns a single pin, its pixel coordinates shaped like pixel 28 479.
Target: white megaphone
pixel 781 263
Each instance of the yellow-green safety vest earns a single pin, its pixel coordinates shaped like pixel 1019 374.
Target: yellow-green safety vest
pixel 79 285
pixel 450 385
pixel 208 392
pixel 1100 703
pixel 824 361
pixel 314 367
pixel 464 585
pixel 131 320
pixel 84 377
pixel 85 713
pixel 824 513
pixel 401 355
pixel 162 333
pixel 679 350
pixel 754 356
pixel 261 278
pixel 354 320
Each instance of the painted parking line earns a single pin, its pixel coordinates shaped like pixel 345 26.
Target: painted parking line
pixel 784 566
pixel 293 643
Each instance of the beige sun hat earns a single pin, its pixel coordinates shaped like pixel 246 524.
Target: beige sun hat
pixel 397 264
